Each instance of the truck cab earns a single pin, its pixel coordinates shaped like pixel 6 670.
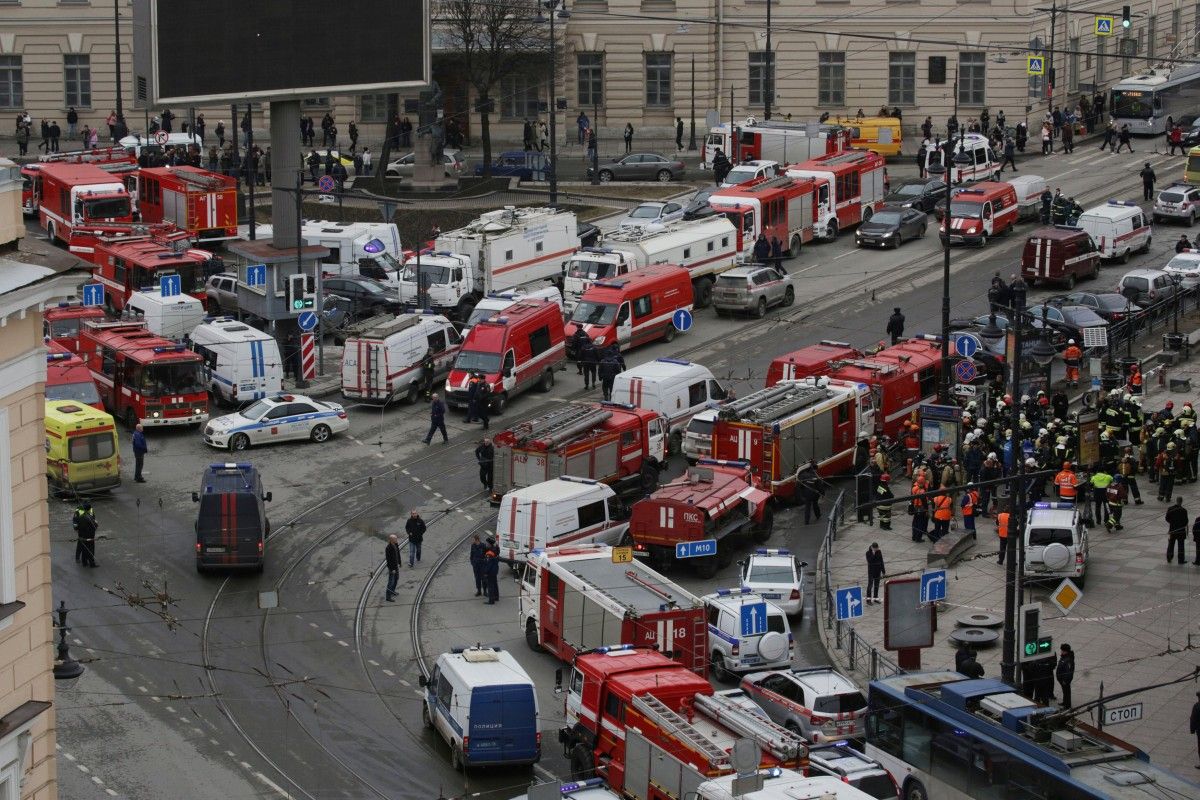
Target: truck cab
pixel 589 265
pixel 633 310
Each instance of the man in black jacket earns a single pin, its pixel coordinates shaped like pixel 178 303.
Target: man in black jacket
pixel 895 325
pixel 391 554
pixel 491 571
pixel 610 368
pixel 485 455
pixel 875 571
pixel 478 562
pixel 1177 520
pixel 1065 672
pixel 415 528
pixel 590 361
pixel 85 527
pixel 437 419
pixel 1194 724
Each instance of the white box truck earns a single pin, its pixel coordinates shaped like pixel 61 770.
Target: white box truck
pixel 369 249
pixel 385 361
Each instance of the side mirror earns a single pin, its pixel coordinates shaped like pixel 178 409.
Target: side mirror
pixel 558 687
pixel 508 373
pixel 195 497
pixel 801 563
pixel 422 681
pixel 267 497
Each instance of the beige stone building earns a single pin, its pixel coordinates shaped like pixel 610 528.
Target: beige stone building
pixel 27 721
pixel 648 62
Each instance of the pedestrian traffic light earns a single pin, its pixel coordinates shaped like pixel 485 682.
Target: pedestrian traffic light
pixel 1125 20
pixel 1032 645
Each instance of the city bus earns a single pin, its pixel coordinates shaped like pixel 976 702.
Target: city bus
pixel 943 736
pixel 1145 101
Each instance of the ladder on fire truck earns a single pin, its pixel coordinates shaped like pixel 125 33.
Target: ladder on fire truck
pixel 776 740
pixel 881 367
pixel 560 425
pixel 781 399
pixel 84 156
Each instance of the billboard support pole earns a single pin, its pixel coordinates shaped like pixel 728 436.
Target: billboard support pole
pixel 285 160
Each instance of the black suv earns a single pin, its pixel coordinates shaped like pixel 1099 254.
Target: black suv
pixel 232 526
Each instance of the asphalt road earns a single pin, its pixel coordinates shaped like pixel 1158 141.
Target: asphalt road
pixel 192 683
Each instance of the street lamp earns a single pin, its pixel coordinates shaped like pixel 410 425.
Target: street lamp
pixel 556 8
pixel 119 128
pixel 65 667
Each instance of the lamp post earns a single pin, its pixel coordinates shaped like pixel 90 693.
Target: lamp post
pixel 557 8
pixel 119 127
pixel 692 127
pixel 770 76
pixel 65 667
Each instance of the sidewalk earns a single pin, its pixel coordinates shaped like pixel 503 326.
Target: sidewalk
pixel 1133 627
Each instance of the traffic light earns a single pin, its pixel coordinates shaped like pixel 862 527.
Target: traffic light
pixel 300 295
pixel 1125 20
pixel 1033 646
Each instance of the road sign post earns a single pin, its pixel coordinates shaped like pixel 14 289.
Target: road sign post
pixel 326 183
pixel 682 320
pixel 933 586
pixel 170 286
pixel 849 602
pixel 93 294
pixel 965 371
pixel 308 359
pixel 697 549
pixel 256 274
pixel 754 619
pixel 162 137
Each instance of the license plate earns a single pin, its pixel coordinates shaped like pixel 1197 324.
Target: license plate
pixel 214 549
pixel 772 596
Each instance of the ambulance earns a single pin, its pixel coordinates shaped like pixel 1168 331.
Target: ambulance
pixel 1118 228
pixel 973 159
pixel 82 454
pixel 563 510
pixel 385 362
pixel 979 212
pixel 241 363
pixel 634 309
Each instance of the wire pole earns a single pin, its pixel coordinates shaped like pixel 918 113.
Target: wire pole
pixel 692 129
pixel 770 87
pixel 1016 517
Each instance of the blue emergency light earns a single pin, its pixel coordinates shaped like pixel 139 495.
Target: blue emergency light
pixel 678 361
pixel 373 246
pixel 772 551
pixel 728 592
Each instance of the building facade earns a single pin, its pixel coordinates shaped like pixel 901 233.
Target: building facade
pixel 650 62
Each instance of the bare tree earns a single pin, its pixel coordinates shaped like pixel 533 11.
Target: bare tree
pixel 493 40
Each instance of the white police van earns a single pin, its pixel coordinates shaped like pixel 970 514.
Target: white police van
pixel 241 363
pixel 731 652
pixel 483 703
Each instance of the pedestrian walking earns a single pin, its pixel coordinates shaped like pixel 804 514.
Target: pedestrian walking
pixel 922 152
pixel 1065 672
pixel 1047 139
pixel 86 531
pixel 483 403
pixel 415 528
pixel 491 573
pixel 1148 177
pixel 437 419
pixel 875 571
pixel 679 133
pixel 1068 138
pixel 478 563
pixel 1123 139
pixel 591 144
pixel 628 137
pixel 139 452
pixel 391 554
pixel 895 325
pixel 1175 139
pixel 84 510
pixel 1194 724
pixel 777 253
pixel 485 456
pixel 1010 154
pixel 589 361
pixel 1177 520
pixel 1110 135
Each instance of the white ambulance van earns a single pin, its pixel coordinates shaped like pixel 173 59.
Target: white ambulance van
pixel 675 388
pixel 384 362
pixel 172 317
pixel 1117 228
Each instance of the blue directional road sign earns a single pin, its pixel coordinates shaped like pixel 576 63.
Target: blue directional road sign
pixel 849 602
pixel 170 285
pixel 966 345
pixel 703 547
pixel 256 274
pixel 308 320
pixel 965 371
pixel 933 586
pixel 682 320
pixel 754 619
pixel 93 294
pixel 326 183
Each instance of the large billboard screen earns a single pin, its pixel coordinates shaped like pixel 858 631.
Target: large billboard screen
pixel 278 49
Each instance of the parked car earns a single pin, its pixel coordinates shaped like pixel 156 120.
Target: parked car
pixel 923 194
pixel 279 418
pixel 819 703
pixel 640 167
pixel 510 163
pixel 589 234
pixel 405 166
pixel 890 226
pixel 753 289
pixel 1179 202
pixel 697 206
pixel 749 170
pixel 367 297
pixel 1068 322
pixel 221 293
pixel 1109 305
pixel 652 213
pixel 1147 286
pixel 1186 266
pixel 1191 135
pixel 778 576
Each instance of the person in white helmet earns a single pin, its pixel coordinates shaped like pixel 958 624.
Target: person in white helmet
pixel 1073 358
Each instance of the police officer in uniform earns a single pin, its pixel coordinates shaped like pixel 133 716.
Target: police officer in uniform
pixel 84 510
pixel 609 369
pixel 485 456
pixel 589 359
pixel 85 527
pixel 478 562
pixel 483 402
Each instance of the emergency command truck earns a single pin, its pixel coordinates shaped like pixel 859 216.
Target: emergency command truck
pixel 200 202
pixel 576 598
pixel 142 377
pixel 780 430
pixel 852 191
pixel 68 378
pixel 632 310
pixel 127 264
pixel 387 361
pixel 774 140
pixel 81 447
pixel 73 195
pixel 1059 255
pixel 783 207
pixel 656 731
pixel 981 211
pixel 614 443
pixel 713 500
pixel 707 247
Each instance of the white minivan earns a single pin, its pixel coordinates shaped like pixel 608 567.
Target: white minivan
pixel 241 363
pixel 675 388
pixel 557 512
pixel 496 302
pixel 1117 228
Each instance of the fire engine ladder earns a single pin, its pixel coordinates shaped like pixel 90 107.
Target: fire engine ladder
pixel 560 425
pixel 747 405
pixel 775 739
pixel 672 722
pixel 795 400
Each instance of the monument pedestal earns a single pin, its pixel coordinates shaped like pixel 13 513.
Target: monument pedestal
pixel 431 178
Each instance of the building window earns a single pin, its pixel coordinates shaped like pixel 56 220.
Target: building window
pixel 590 70
pixel 1035 81
pixel 519 97
pixel 77 73
pixel 1073 45
pixel 373 108
pixel 972 76
pixel 316 102
pixel 831 79
pixel 1101 58
pixel 658 79
pixel 12 94
pixel 902 79
pixel 756 63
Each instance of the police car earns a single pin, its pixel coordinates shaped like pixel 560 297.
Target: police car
pixel 276 419
pixel 731 651
pixel 777 576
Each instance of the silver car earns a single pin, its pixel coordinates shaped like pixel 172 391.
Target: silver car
pixel 753 289
pixel 1179 202
pixel 817 702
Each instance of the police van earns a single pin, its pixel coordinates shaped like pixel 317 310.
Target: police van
pixel 386 361
pixel 241 363
pixel 483 703
pixel 232 525
pixel 1118 228
pixel 731 652
pixel 566 510
pixel 675 388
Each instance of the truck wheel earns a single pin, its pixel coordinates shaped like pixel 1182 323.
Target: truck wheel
pixel 457 762
pixel 1146 246
pixel 706 567
pixel 702 293
pixel 794 246
pixel 983 240
pixel 547 381
pixel 51 233
pixel 724 553
pixel 413 394
pixel 789 297
pixel 669 333
pixel 425 716
pixel 763 530
pixel 1125 257
pixel 582 767
pixel 914 790
pixel 1192 219
pixel 1070 282
pixel 760 310
pixel 831 231
pixel 1096 270
pixel 465 307
pixel 239 442
pixel 531 637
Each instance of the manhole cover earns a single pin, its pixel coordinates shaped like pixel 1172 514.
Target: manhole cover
pixel 977 636
pixel 980 619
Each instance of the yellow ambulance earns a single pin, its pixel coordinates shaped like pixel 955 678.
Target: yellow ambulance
pixel 82 454
pixel 881 135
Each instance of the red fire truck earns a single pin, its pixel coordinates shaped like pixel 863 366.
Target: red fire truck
pixel 200 202
pixel 113 158
pixel 74 195
pixel 712 500
pixel 60 323
pixel 130 263
pixel 575 598
pixel 143 377
pixel 775 140
pixel 655 731
pixel 613 443
pixel 68 378
pixel 901 377
pixel 779 206
pixel 781 430
pixel 853 189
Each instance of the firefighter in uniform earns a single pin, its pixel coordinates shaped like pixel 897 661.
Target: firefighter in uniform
pixel 1118 495
pixel 84 510
pixel 943 512
pixel 427 373
pixel 1128 469
pixel 883 495
pixel 1002 532
pixel 1073 357
pixel 1065 482
pixel 1165 467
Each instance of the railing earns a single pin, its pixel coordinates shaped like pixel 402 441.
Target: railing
pixel 863 657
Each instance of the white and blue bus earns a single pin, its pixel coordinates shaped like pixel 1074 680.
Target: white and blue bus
pixel 1145 101
pixel 947 737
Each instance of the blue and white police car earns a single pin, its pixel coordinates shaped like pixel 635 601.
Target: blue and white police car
pixel 278 418
pixel 778 576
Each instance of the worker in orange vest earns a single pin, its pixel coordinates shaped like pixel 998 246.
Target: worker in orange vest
pixel 1134 386
pixel 1065 482
pixel 919 510
pixel 943 512
pixel 1002 532
pixel 1073 357
pixel 970 500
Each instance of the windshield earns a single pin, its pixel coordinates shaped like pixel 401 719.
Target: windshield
pixel 645 212
pixel 475 361
pixel 700 427
pixel 968 210
pixel 257 410
pixel 744 220
pixel 770 573
pixel 886 218
pixel 911 189
pixel 740 174
pixel 840 703
pixel 589 313
pixel 191 277
pixel 1040 537
pixel 65 328
pixel 92 447
pixel 107 208
pixel 1183 262
pixel 434 275
pixel 1137 104
pixel 589 270
pixel 82 392
pixel 156 380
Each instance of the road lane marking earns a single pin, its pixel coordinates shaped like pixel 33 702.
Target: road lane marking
pixel 389 673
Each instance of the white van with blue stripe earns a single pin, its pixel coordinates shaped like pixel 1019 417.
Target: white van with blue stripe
pixel 241 363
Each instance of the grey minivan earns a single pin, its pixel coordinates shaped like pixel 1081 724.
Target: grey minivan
pixel 753 288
